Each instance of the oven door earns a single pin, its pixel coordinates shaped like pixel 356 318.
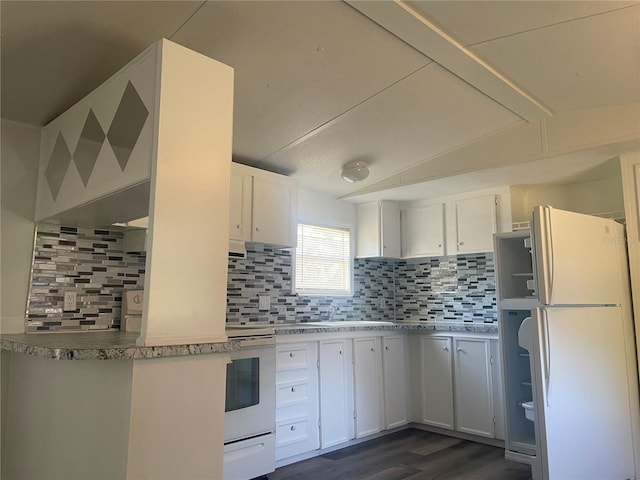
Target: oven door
pixel 250 405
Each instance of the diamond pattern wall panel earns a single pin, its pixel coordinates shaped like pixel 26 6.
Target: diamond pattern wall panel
pixel 88 147
pixel 57 166
pixel 127 124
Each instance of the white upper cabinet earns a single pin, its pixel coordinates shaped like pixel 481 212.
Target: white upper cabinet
pixel 475 224
pixel 240 205
pixel 263 207
pixel 422 231
pixel 378 230
pixel 102 145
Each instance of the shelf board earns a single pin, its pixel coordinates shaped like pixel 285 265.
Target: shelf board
pixel 523 274
pixel 519 303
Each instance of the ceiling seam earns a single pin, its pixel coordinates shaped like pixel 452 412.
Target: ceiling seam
pixel 188 19
pixel 332 120
pixel 549 25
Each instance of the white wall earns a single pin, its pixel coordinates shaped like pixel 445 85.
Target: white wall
pixel 19 153
pixel 323 209
pixel 592 197
pixel 65 419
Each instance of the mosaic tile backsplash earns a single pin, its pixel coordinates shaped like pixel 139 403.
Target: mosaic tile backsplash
pixel 91 262
pixel 458 288
pixel 461 288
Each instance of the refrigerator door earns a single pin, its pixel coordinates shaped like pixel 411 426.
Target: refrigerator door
pixel 576 258
pixel 582 398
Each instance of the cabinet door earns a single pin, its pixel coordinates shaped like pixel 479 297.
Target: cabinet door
pixel 475 224
pixel 437 381
pixel 240 206
pixel 368 386
pixel 423 231
pixel 390 229
pixel 336 406
pixel 394 366
pixel 474 393
pixel 274 211
pixel 368 230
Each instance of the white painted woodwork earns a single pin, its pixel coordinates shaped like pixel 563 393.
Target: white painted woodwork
pixel 476 222
pixel 395 377
pixel 411 25
pixel 422 231
pixel 473 387
pixel 336 392
pixel 378 230
pixel 368 386
pixel 240 205
pixel 194 121
pixel 297 408
pixel 436 364
pixel 107 176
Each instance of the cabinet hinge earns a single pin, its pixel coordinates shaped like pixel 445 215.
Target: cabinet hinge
pixel 494 420
pixel 491 359
pixel 318 364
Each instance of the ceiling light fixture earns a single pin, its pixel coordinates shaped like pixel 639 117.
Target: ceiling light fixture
pixel 354 171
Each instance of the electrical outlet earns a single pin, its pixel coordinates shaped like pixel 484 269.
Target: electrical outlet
pixel 69 301
pixel 264 302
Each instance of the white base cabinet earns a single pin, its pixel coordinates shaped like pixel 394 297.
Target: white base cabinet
pixel 296 399
pixel 395 373
pixel 457 384
pixel 436 364
pixel 336 392
pixel 368 386
pixel 473 386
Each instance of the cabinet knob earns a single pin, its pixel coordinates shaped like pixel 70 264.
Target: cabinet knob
pixel 238 227
pixel 340 352
pixel 386 348
pixel 459 243
pixel 293 427
pixel 293 389
pixel 459 350
pixel 439 245
pixel 445 348
pixel 257 230
pixel 292 354
pixel 372 349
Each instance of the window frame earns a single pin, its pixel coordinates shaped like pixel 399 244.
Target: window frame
pixel 325 293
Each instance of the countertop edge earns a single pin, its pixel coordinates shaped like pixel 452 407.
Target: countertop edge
pixel 36 348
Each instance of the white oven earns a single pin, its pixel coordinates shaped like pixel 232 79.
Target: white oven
pixel 250 405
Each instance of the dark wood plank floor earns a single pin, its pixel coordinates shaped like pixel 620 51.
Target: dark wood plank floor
pixel 409 455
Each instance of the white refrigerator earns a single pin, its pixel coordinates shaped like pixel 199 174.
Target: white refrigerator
pixel 580 339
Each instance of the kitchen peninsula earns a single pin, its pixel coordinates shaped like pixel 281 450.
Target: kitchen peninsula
pixel 153 410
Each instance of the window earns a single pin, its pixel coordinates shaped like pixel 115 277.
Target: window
pixel 323 261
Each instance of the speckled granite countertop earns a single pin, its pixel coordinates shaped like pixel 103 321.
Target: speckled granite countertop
pixel 337 326
pixel 101 346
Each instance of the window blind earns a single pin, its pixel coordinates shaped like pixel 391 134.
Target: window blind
pixel 323 261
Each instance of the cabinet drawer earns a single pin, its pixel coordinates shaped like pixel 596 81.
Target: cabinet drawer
pixel 295 431
pixel 292 357
pixel 292 394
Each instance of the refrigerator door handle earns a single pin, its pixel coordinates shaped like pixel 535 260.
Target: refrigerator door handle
pixel 543 253
pixel 547 356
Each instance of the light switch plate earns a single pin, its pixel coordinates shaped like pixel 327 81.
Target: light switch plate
pixel 264 302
